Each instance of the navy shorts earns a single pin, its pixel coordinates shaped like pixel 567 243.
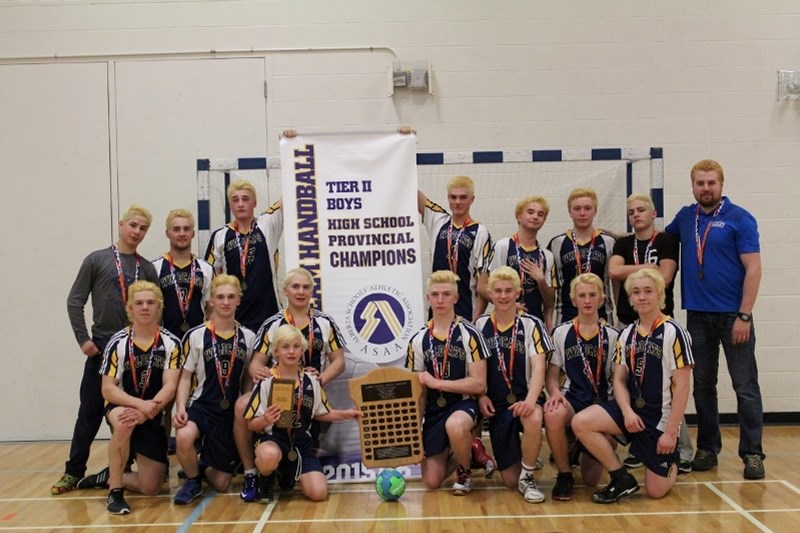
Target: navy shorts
pixel 644 443
pixel 307 460
pixel 148 438
pixel 434 435
pixel 504 430
pixel 218 448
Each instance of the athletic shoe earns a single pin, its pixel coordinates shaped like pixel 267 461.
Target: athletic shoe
pixel 463 483
pixel 704 460
pixel 684 466
pixel 67 483
pixel 286 473
pixel 95 481
pixel 632 462
pixel 116 504
pixel 249 492
pixel 265 492
pixel 187 492
pixel 617 489
pixel 530 490
pixel 481 459
pixel 753 467
pixel 562 490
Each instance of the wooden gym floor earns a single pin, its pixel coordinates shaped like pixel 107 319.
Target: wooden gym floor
pixel 718 500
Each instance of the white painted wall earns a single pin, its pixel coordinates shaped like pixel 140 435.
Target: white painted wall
pixel 100 108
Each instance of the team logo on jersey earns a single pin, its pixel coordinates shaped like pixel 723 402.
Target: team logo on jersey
pixel 378 323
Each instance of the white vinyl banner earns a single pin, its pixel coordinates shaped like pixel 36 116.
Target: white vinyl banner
pixel 350 217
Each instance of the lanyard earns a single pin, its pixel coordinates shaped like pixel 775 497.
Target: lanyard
pixel 290 319
pixel 508 374
pixel 452 250
pixel 633 350
pixel 223 383
pixel 594 378
pixel 183 304
pixel 438 372
pixel 701 245
pixel 646 250
pixel 243 250
pixel 132 361
pixel 576 248
pixel 121 276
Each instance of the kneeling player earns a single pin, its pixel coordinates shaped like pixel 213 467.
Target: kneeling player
pixel 449 354
pixel 514 377
pixel 290 450
pixel 216 356
pixel 653 362
pixel 583 348
pixel 140 370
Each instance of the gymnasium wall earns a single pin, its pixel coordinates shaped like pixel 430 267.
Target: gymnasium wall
pixel 107 103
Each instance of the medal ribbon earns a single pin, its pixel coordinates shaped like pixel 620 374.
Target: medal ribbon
pixel 576 249
pixel 438 373
pixel 121 276
pixel 701 245
pixel 594 377
pixel 132 362
pixel 632 351
pixel 183 305
pixel 290 319
pixel 646 250
pixel 223 383
pixel 520 251
pixel 243 251
pixel 452 251
pixel 508 374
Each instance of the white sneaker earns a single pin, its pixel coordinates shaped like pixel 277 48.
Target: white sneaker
pixel 463 483
pixel 530 490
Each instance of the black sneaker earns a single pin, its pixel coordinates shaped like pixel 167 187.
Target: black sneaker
pixel 286 474
pixel 562 490
pixel 704 460
pixel 94 481
pixel 753 467
pixel 265 492
pixel 632 462
pixel 617 489
pixel 116 504
pixel 684 466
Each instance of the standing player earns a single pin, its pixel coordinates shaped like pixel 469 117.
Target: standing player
pixel 449 354
pixel 459 244
pixel 652 367
pixel 216 358
pixel 580 250
pixel 534 264
pixel 323 358
pixel 721 258
pixel 141 365
pixel 647 248
pixel 291 449
pixel 184 278
pixel 105 275
pixel 248 249
pixel 515 378
pixel 583 352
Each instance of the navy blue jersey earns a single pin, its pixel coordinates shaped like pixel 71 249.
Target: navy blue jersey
pixel 325 337
pixel 175 315
pixel 507 252
pixel 573 354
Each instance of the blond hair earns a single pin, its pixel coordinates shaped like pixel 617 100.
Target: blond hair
pixel 136 210
pixel 179 213
pixel 522 204
pixel 297 272
pixel 658 281
pixel 241 185
pixel 461 182
pixel 505 273
pixel 589 279
pixel 287 333
pixel 443 276
pixel 225 279
pixel 143 286
pixel 582 193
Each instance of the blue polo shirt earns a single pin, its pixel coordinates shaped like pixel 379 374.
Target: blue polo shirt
pixel 734 231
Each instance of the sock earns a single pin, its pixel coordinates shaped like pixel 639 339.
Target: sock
pixel 620 473
pixel 565 474
pixel 526 470
pixel 250 472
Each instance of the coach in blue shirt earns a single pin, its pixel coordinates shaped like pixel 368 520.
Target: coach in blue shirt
pixel 720 276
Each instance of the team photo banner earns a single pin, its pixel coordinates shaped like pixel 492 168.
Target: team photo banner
pixel 351 219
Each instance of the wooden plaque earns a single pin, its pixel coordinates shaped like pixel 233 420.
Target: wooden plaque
pixel 282 393
pixel 390 424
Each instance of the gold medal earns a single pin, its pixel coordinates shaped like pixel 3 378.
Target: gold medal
pixel 225 404
pixel 511 398
pixel 184 326
pixel 243 285
pixel 640 403
pixel 596 400
pixel 292 455
pixel 440 401
pixel 700 274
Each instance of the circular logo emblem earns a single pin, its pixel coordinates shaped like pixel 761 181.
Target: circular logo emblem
pixel 379 318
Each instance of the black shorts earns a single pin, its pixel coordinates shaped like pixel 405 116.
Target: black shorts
pixel 148 438
pixel 307 460
pixel 434 434
pixel 504 430
pixel 644 443
pixel 218 448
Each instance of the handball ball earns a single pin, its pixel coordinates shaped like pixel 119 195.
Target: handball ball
pixel 390 484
